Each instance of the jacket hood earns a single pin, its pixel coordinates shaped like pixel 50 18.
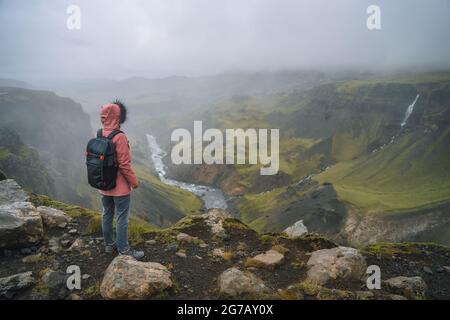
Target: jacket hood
pixel 110 116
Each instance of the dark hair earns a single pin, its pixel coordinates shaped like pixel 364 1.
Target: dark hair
pixel 123 110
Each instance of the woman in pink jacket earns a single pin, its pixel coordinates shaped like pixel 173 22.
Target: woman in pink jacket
pixel 117 200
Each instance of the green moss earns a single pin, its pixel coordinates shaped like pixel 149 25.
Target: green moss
pixel 95 225
pixel 286 295
pixel 188 222
pixel 41 289
pixel 298 265
pixel 92 292
pixel 231 223
pixel 71 210
pixel 391 249
pixel 136 227
pixel 34 258
pixel 268 238
pixel 166 236
pixel 313 242
pixel 322 293
pixel 253 263
pixel 197 241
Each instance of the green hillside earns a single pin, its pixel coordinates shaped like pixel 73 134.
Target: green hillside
pixel 340 133
pixel 412 173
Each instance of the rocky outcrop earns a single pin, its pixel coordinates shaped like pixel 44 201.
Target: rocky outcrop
pixel 20 225
pixel 214 218
pixel 235 283
pixel 20 222
pixel 11 192
pixel 53 217
pixel 341 263
pixel 208 257
pixel 296 230
pixel 127 278
pixel 410 287
pixel 9 286
pixel 365 229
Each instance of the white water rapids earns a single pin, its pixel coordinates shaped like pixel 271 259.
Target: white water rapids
pixel 212 198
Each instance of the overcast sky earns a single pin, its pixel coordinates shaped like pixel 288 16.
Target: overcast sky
pixel 156 38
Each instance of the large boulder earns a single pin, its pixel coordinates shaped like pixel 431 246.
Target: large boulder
pixel 341 263
pixel 235 283
pixel 11 285
pixel 53 217
pixel 127 278
pixel 11 192
pixel 296 230
pixel 20 225
pixel 410 287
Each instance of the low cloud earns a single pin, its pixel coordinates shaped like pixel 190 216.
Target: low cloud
pixel 194 37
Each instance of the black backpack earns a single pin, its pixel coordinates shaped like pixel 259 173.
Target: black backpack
pixel 101 161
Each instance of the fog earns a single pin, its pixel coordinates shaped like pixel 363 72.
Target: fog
pixel 160 38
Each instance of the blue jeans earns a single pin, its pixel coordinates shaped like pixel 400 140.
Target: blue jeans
pixel 121 207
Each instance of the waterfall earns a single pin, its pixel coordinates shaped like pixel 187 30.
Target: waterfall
pixel 409 111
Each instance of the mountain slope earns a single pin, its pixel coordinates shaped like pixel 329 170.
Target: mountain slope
pixel 54 131
pixel 347 151
pixel 22 163
pixel 57 128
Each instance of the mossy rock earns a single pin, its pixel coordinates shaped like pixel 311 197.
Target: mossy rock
pixel 269 238
pixel 92 292
pixel 322 293
pixel 188 222
pixel 312 242
pixel 232 223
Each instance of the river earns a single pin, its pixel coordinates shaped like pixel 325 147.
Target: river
pixel 211 197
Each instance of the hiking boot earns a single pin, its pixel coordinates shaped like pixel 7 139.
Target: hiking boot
pixel 137 254
pixel 110 248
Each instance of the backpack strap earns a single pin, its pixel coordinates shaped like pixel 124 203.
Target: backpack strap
pixel 110 136
pixel 113 134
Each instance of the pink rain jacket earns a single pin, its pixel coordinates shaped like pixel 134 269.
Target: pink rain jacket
pixel 126 177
